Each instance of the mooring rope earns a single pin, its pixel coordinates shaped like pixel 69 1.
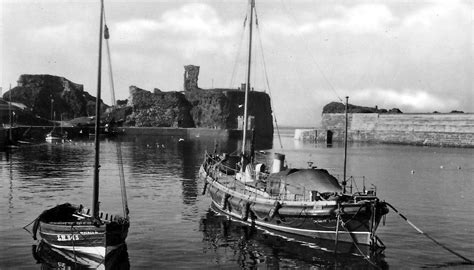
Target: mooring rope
pixel 26 228
pixel 428 236
pixel 85 238
pixel 366 257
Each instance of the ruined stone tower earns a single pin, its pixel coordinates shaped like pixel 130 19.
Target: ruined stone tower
pixel 191 74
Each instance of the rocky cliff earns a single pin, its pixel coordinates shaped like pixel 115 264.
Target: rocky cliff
pixel 213 108
pixel 223 108
pixel 158 109
pixel 194 107
pixel 40 92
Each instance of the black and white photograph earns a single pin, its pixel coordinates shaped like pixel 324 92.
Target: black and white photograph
pixel 236 134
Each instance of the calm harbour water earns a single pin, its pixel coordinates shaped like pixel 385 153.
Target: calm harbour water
pixel 172 226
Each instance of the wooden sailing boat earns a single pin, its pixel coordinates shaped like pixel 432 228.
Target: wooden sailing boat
pixel 305 202
pixel 53 136
pixel 73 227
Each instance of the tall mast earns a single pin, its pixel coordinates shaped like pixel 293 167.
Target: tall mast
pixel 247 89
pixel 10 136
pixel 52 104
pixel 345 148
pixel 95 195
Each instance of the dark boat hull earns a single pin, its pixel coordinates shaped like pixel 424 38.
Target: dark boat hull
pixel 313 220
pixel 84 238
pixel 318 243
pixel 83 235
pixel 51 257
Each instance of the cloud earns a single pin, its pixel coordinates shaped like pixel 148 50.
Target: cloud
pixel 196 20
pixel 286 28
pixel 135 30
pixel 69 33
pixel 408 100
pixel 438 32
pixel 428 16
pixel 190 29
pixel 389 53
pixel 413 56
pixel 360 19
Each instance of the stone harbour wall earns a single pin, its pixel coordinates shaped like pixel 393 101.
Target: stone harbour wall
pixel 309 135
pixel 419 129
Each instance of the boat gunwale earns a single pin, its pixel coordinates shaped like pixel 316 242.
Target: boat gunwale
pixel 291 230
pixel 316 205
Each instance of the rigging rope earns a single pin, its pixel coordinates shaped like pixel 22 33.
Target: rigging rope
pixel 266 78
pixel 311 55
pixel 111 79
pixel 239 50
pixel 118 144
pixel 264 67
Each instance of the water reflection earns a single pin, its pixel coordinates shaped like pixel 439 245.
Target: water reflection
pixel 10 183
pixel 249 248
pixel 173 229
pixel 49 161
pixel 191 152
pixel 168 157
pixel 187 152
pixel 54 258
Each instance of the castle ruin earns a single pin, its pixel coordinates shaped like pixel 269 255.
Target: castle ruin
pixel 191 74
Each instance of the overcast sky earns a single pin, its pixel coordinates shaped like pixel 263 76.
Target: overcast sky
pixel 412 55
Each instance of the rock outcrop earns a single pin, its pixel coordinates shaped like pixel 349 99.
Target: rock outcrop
pixel 211 108
pixel 158 109
pixel 194 107
pixel 40 92
pixel 200 108
pixel 223 108
pixel 337 107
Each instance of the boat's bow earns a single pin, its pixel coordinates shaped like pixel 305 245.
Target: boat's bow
pixel 71 227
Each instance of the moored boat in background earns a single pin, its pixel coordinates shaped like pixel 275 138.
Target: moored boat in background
pixel 53 137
